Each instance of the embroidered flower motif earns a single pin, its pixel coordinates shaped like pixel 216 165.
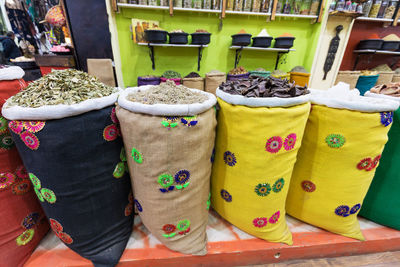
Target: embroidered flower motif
pixel 230 158
pixel 386 118
pixel 290 141
pixel 114 116
pixel 21 172
pixel 48 195
pixel 374 163
pixel 189 121
pixel 170 122
pixel 55 225
pixel 308 186
pixel 122 155
pixel 137 156
pixel 66 238
pixel 355 208
pixel 3 125
pixel 6 179
pixel 21 188
pixel 110 133
pixel 165 190
pixel 130 196
pixel 138 206
pixel 263 189
pixel 275 217
pixel 169 228
pixel 184 232
pixel 209 201
pixel 274 144
pixel 165 180
pixel 128 209
pixel 16 126
pixel 260 222
pixel 25 237
pixel 35 181
pixel 226 196
pixel 335 140
pixel 34 126
pixel 119 170
pixel 212 156
pixel 342 210
pixel 278 185
pixel 38 194
pixel 183 225
pixel 30 220
pixel 364 164
pixel 6 141
pixel 182 176
pixel 30 140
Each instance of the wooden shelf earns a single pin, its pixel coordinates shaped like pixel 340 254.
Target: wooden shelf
pixel 370 51
pixel 262 48
pixel 374 19
pixel 348 14
pixel 172 45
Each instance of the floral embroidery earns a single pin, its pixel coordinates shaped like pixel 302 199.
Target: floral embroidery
pixel 275 217
pixel 260 222
pixel 66 238
pixel 25 237
pixel 335 140
pixel 183 225
pixel 3 125
pixel 274 144
pixel 128 209
pixel 6 179
pixel 114 116
pixel 169 228
pixel 355 208
pixel 230 158
pixel 226 196
pixel 263 189
pixel 170 122
pixel 35 181
pixel 21 188
pixel 122 155
pixel 278 185
pixel 119 170
pixel 58 229
pixel 364 164
pixel 34 126
pixel 182 176
pixel 290 141
pixel 6 141
pixel 189 121
pixel 342 210
pixel 386 118
pixel 110 133
pixel 165 180
pixel 30 140
pixel 137 156
pixel 308 186
pixel 209 201
pixel 21 172
pixel 374 163
pixel 38 194
pixel 48 195
pixel 138 206
pixel 56 226
pixel 30 220
pixel 16 126
pixel 185 231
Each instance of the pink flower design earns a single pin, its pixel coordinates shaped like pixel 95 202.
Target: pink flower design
pixel 260 222
pixel 21 172
pixel 16 126
pixel 30 140
pixel 110 133
pixel 274 218
pixel 114 116
pixel 34 126
pixel 274 144
pixel 290 141
pixel 6 179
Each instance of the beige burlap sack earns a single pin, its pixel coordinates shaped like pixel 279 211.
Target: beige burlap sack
pixel 195 83
pixel 347 76
pixel 213 80
pixel 170 167
pixel 385 77
pixel 396 78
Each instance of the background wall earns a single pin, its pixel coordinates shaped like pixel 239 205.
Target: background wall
pixel 362 30
pixel 136 61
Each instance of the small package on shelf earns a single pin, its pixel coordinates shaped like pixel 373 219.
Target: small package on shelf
pixel 296 6
pixel 265 5
pixel 164 2
pixel 143 2
pixel 178 3
pixel 230 4
pixel 247 5
pixel 314 7
pixel 187 3
pixel 207 4
pixel 216 4
pixel 256 6
pixel 152 2
pixel 238 5
pixel 197 4
pixel 376 6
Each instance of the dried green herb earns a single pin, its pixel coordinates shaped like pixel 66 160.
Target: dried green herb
pixel 61 87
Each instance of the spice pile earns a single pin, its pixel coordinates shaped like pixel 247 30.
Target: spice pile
pixel 299 69
pixel 192 75
pixel 263 87
pixel 278 73
pixel 383 67
pixel 170 74
pixel 238 70
pixel 167 93
pixel 61 87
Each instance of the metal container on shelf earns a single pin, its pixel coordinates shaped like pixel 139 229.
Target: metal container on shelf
pixel 391 9
pixel 367 8
pixel 375 9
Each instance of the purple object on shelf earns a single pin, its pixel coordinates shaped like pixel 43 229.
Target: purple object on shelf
pixel 176 80
pixel 148 81
pixel 231 77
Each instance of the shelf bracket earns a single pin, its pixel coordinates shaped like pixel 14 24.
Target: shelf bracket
pixel 199 57
pixel 278 57
pixel 238 55
pixel 151 54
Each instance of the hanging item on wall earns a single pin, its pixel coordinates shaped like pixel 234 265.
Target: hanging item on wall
pixel 55 16
pixel 333 47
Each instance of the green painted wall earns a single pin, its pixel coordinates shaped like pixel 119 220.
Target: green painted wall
pixel 136 61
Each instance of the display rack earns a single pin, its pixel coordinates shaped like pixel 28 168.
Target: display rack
pixel 239 49
pixel 374 19
pixel 372 52
pixel 152 45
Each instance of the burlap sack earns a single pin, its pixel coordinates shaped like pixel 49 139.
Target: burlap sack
pixel 195 83
pixel 396 78
pixel 385 77
pixel 213 80
pixel 173 208
pixel 350 77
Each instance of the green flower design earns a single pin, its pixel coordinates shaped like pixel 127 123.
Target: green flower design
pixel 209 201
pixel 335 140
pixel 3 124
pixel 25 237
pixel 137 156
pixel 170 122
pixel 183 225
pixel 35 181
pixel 169 235
pixel 165 180
pixel 122 155
pixel 6 141
pixel 48 195
pixel 119 170
pixel 39 195
pixel 263 189
pixel 278 185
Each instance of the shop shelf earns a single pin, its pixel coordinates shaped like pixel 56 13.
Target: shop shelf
pixel 297 16
pixel 171 45
pixel 246 13
pixel 371 52
pixel 374 19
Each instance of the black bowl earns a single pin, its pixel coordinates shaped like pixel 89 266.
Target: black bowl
pixel 284 42
pixel 390 45
pixel 241 39
pixel 374 44
pixel 201 38
pixel 178 37
pixel 156 36
pixel 262 41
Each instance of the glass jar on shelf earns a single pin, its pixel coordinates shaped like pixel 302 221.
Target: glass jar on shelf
pixel 135 2
pixel 314 7
pixel 247 5
pixel 206 4
pixel 216 5
pixel 163 2
pixel 296 5
pixel 143 2
pixel 238 5
pixel 265 4
pixel 197 4
pixel 229 4
pixel 367 8
pixel 359 8
pixel 187 3
pixel 287 7
pixel 382 9
pixel 375 9
pixel 305 7
pixel 152 2
pixel 279 6
pixel 391 9
pixel 256 7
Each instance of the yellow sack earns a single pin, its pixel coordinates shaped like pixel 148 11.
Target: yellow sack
pixel 255 153
pixel 336 163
